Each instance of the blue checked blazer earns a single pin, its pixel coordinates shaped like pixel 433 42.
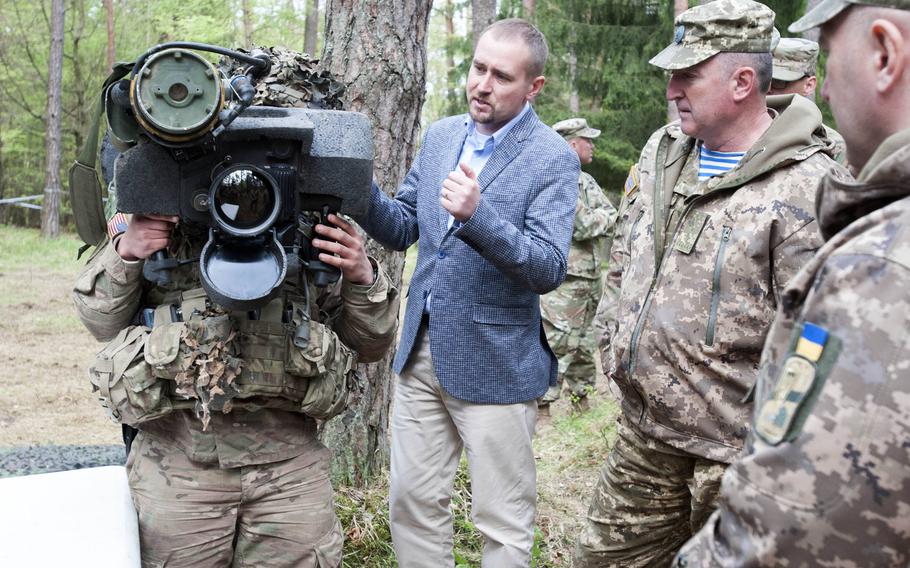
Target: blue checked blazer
pixel 486 275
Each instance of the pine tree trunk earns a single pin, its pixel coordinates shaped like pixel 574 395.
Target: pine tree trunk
pixel 311 27
pixel 50 211
pixel 452 98
pixel 111 53
pixel 529 9
pixel 378 49
pixel 483 13
pixel 247 14
pixel 573 72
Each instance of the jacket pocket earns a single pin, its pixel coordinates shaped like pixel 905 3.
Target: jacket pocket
pixel 715 285
pixel 502 315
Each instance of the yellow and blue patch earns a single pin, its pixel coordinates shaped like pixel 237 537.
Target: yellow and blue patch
pixel 777 419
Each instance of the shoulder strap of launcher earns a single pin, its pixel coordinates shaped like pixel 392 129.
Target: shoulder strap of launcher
pixel 84 184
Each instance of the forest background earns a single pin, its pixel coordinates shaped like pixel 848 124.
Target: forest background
pixel 598 67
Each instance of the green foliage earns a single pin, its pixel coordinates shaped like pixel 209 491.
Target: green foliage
pixel 138 26
pixel 22 246
pixel 618 91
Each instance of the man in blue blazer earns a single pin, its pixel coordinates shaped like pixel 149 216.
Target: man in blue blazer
pixel 490 198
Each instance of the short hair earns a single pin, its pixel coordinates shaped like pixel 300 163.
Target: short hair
pixel 530 35
pixel 762 63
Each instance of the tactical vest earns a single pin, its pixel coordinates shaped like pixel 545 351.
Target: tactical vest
pixel 193 359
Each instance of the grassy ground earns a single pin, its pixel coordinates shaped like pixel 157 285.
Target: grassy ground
pixel 45 398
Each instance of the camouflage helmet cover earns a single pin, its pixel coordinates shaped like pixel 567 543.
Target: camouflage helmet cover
pixel 741 26
pixel 575 128
pixel 795 58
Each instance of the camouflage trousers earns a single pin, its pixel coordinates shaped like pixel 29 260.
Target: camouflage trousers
pixel 649 500
pixel 198 514
pixel 568 313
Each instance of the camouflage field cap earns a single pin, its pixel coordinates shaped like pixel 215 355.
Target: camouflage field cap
pixel 828 9
pixel 575 128
pixel 795 58
pixel 701 32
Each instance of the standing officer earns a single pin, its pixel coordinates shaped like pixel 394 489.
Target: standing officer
pixel 825 478
pixel 568 311
pixel 720 221
pixel 795 61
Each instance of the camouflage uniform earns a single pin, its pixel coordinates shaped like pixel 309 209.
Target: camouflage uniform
pixel 702 266
pixel 794 59
pixel 258 470
pixel 825 477
pixel 568 311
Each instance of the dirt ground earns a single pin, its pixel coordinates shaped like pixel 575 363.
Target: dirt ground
pixel 45 397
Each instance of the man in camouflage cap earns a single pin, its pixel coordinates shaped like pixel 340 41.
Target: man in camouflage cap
pixel 795 60
pixel 246 485
pixel 568 311
pixel 825 477
pixel 718 222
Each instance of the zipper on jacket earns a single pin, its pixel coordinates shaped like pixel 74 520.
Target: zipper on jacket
pixel 715 286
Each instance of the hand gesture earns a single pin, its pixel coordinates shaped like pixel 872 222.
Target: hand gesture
pixel 460 193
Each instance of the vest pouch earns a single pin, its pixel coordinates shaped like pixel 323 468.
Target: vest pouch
pixel 124 381
pixel 328 364
pixel 162 349
pixel 262 347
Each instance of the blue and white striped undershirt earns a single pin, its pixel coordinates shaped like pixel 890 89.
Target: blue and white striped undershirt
pixel 712 163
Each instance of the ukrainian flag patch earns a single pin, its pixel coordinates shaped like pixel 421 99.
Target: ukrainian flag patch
pixel 778 416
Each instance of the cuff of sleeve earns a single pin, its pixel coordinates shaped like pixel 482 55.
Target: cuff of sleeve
pixel 121 271
pixel 473 231
pixel 375 293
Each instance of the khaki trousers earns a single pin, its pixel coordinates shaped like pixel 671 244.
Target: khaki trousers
pixel 429 430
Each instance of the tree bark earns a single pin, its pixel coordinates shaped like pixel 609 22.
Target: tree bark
pixel 573 72
pixel 483 13
pixel 529 9
pixel 50 211
pixel 247 12
pixel 311 28
pixel 378 49
pixel 452 97
pixel 111 53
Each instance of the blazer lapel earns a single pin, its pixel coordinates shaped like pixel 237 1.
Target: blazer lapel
pixel 449 158
pixel 507 149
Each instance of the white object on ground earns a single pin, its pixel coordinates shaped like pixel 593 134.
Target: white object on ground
pixel 83 517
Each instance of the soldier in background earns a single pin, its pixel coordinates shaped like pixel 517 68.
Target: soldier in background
pixel 795 62
pixel 825 478
pixel 720 219
pixel 568 311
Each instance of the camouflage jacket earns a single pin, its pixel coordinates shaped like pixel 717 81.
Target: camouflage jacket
pixel 696 301
pixel 594 217
pixel 825 478
pixel 108 293
pixel 839 152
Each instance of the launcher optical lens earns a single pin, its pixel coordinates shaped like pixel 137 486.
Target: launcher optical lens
pixel 244 201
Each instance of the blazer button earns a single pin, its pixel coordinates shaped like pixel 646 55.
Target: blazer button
pixel 442 254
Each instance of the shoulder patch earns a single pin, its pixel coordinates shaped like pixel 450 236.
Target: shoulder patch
pixel 631 185
pixel 812 354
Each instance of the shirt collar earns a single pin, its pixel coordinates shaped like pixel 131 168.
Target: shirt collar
pixel 499 134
